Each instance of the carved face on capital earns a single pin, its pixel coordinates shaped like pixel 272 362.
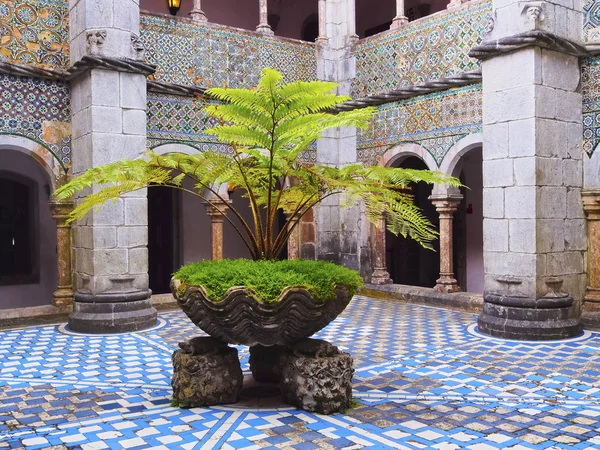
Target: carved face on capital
pixel 533 13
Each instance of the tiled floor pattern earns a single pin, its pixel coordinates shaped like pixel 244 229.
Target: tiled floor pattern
pixel 424 378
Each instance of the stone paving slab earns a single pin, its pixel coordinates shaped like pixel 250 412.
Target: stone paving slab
pixel 425 379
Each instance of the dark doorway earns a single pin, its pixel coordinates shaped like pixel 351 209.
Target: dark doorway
pixel 17 233
pixel 407 262
pixel 310 28
pixel 163 237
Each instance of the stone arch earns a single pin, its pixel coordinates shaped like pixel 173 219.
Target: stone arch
pixel 398 153
pixel 44 157
pixel 34 283
pixel 464 160
pixel 452 161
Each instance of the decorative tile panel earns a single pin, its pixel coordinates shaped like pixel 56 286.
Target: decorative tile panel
pixel 590 80
pixel 174 119
pixel 39 110
pixel 35 32
pixel 435 121
pixel 591 20
pixel 210 55
pixel 429 49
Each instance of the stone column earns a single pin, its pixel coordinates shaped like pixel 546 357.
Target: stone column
pixel 264 27
pixel 197 14
pixel 216 225
pixel 400 20
pixel 63 296
pixel 380 274
pixel 293 245
pixel 590 316
pixel 534 249
pixel 322 22
pixel 342 234
pixel 446 206
pixel 109 123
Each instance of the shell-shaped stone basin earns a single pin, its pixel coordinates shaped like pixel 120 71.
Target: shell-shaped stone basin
pixel 240 319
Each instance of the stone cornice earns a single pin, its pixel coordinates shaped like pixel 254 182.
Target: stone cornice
pixel 536 38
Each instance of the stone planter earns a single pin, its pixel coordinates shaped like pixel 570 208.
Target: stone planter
pixel 240 319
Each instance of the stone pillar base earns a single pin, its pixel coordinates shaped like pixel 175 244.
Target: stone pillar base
pixel 399 22
pixel 380 277
pixel 206 372
pixel 521 318
pixel 590 316
pixel 317 377
pixel 446 286
pixel 112 313
pixel 62 297
pixel 265 30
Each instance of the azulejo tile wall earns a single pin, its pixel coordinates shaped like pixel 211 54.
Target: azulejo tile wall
pixel 39 110
pixel 174 119
pixel 590 76
pixel 591 20
pixel 211 55
pixel 430 49
pixel 35 32
pixel 435 121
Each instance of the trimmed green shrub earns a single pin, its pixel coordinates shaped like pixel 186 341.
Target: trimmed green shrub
pixel 269 278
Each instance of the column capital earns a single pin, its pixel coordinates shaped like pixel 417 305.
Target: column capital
pixel 216 210
pixel 61 210
pixel 446 203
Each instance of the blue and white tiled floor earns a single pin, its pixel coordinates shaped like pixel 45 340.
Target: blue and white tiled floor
pixel 424 377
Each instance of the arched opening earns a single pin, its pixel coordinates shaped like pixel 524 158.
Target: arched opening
pixel 163 237
pixel 407 262
pixel 28 261
pixel 310 28
pixel 468 223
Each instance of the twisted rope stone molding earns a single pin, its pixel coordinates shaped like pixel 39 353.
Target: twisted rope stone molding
pixel 537 38
pixel 175 89
pixel 86 63
pixel 404 93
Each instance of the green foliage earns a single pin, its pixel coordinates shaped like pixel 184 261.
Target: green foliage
pixel 269 278
pixel 267 128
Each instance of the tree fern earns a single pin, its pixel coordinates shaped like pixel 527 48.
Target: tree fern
pixel 267 128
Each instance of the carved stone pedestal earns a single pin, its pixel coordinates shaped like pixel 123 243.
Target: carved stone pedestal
pixel 317 377
pixel 206 372
pixel 522 318
pixel 265 363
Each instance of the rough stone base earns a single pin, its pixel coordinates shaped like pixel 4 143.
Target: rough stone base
pixel 525 319
pixel 317 377
pixel 206 372
pixel 121 313
pixel 265 363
